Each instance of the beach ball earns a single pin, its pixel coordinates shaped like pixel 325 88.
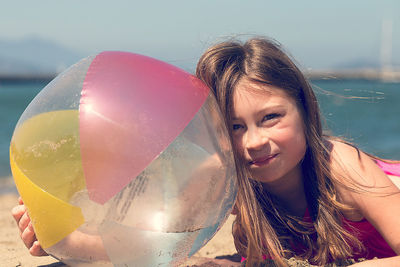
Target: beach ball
pixel 124 160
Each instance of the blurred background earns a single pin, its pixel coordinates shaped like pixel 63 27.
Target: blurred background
pixel 350 50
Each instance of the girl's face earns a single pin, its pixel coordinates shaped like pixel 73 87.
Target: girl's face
pixel 267 131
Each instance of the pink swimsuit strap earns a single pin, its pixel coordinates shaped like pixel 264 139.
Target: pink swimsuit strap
pixel 389 168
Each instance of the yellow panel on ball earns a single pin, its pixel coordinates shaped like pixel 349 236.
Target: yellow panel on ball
pixel 45 180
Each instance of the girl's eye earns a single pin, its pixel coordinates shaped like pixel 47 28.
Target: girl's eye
pixel 271 116
pixel 236 127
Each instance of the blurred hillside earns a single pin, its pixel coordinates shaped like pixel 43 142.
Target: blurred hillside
pixel 34 56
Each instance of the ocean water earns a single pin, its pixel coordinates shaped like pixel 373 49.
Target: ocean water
pixel 366 113
pixel 14 98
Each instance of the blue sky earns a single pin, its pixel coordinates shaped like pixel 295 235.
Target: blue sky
pixel 319 34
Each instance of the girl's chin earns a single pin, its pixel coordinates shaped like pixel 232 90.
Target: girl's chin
pixel 262 179
pixel 260 173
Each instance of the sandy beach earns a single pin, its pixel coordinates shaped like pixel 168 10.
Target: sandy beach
pixel 14 253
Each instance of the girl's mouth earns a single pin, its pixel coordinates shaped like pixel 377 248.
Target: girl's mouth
pixel 262 160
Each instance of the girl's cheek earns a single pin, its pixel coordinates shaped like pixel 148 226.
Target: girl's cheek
pixel 238 146
pixel 282 135
pixel 288 133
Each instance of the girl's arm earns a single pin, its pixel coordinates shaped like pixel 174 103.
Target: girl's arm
pixel 379 204
pixel 77 244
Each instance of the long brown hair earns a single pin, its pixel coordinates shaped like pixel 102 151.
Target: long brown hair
pixel 262 227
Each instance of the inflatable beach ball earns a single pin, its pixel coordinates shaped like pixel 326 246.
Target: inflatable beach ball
pixel 124 160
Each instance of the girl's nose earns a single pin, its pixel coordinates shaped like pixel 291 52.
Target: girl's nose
pixel 255 139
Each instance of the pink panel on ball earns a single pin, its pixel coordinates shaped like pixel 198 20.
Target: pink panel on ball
pixel 132 107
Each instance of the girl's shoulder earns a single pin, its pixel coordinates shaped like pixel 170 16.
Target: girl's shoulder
pixel 358 177
pixel 350 164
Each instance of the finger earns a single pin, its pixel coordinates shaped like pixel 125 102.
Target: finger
pixel 24 222
pixel 28 236
pixel 37 250
pixel 20 201
pixel 17 212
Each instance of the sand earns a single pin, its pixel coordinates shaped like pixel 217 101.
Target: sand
pixel 13 252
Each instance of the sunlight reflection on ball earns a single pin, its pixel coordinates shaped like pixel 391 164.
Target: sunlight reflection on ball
pixel 123 160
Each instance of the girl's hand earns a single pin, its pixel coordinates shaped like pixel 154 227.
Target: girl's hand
pixel 26 231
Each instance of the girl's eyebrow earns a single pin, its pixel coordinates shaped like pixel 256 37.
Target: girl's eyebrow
pixel 264 110
pixel 270 108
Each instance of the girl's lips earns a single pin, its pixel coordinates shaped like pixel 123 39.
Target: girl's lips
pixel 262 160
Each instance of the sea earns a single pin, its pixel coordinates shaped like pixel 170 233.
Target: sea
pixel 364 112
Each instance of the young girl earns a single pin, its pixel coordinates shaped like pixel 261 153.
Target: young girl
pixel 301 193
